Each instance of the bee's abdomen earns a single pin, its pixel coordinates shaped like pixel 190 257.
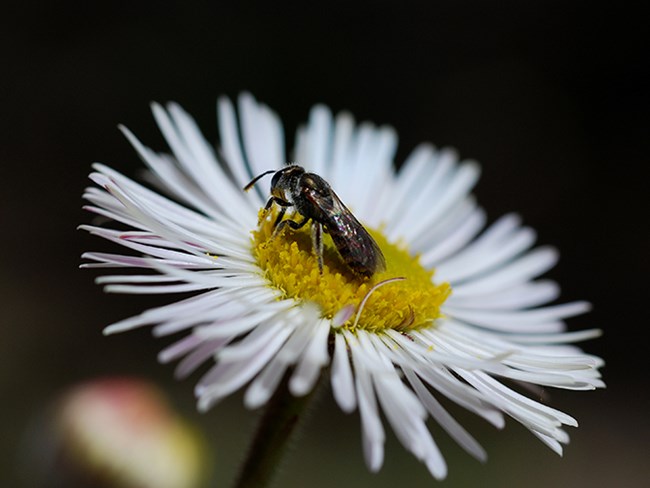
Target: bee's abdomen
pixel 360 257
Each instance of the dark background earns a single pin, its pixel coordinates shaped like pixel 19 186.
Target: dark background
pixel 551 97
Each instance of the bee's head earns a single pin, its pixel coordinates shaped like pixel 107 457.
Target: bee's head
pixel 282 178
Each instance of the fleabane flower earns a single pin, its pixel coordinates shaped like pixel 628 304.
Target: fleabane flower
pixel 458 311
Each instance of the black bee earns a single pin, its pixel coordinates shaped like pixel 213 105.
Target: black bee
pixel 313 198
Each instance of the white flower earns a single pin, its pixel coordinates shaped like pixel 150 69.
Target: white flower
pixel 261 309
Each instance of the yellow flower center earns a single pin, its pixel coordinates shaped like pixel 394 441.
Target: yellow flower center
pixel 403 297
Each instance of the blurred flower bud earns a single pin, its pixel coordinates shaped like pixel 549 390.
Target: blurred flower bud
pixel 122 433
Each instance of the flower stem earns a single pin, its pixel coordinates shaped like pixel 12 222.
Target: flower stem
pixel 283 413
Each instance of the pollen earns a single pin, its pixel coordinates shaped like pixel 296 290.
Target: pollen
pixel 403 297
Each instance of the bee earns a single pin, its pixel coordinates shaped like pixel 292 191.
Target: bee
pixel 312 198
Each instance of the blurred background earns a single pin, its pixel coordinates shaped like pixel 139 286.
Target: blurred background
pixel 551 97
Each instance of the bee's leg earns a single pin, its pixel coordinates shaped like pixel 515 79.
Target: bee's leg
pixel 317 242
pixel 279 218
pixel 264 213
pixel 291 223
pixel 283 204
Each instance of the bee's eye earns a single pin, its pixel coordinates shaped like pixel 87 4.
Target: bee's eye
pixel 276 178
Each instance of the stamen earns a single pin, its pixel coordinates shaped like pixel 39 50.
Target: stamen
pixel 365 299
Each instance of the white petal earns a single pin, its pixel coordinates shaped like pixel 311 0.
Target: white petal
pixel 342 379
pixel 317 142
pixel 263 387
pixel 518 271
pixel 466 266
pixel 265 384
pixel 179 348
pixel 182 135
pixel 226 378
pixel 373 432
pixel 414 172
pixel 313 359
pixel 208 349
pixel 262 135
pixel 443 166
pixel 240 324
pixel 521 296
pixel 535 320
pixel 455 239
pixel 173 178
pixel 376 173
pixel 454 190
pixel 460 393
pixel 231 146
pixel 343 137
pixel 446 421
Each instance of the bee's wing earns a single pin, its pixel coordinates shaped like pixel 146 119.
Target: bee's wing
pixel 355 244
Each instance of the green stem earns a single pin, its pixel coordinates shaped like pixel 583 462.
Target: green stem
pixel 282 414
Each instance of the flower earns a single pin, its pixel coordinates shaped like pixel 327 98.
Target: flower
pixel 457 310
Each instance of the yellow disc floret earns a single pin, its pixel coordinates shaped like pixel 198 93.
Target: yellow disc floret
pixel 288 260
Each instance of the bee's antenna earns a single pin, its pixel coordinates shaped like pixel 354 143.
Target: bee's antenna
pixel 254 180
